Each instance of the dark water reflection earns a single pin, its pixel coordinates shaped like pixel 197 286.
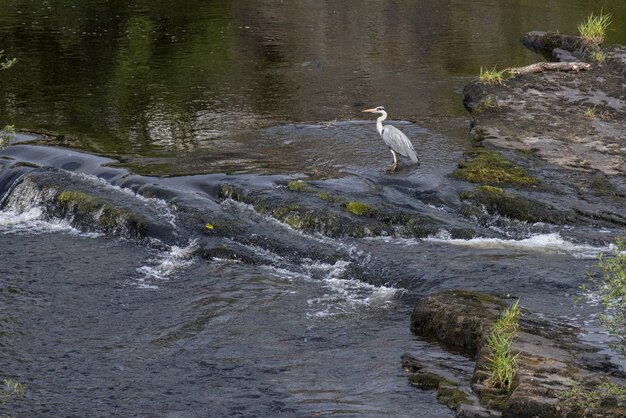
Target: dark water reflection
pixel 146 81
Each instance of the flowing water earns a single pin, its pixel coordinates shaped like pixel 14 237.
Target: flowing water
pixel 155 106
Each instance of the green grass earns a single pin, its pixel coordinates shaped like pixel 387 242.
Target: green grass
pixel 493 76
pixel 6 134
pixel 11 389
pixel 488 103
pixel 611 287
pixel 579 397
pixel 593 29
pixel 597 55
pixel 590 112
pixel 502 362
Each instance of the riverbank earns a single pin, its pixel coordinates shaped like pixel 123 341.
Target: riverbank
pixel 565 130
pixel 548 147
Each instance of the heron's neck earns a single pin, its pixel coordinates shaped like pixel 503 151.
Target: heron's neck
pixel 379 121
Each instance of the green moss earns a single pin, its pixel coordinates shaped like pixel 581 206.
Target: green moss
pixel 26 164
pixel 488 103
pixel 481 298
pixel 425 380
pixel 527 153
pixel 229 191
pixel 593 396
pixel 103 216
pixel 298 186
pixel 489 189
pixel 489 167
pixel 294 220
pixel 329 197
pixel 77 198
pixel 495 200
pixel 479 136
pixel 451 395
pixel 357 208
pixel 601 186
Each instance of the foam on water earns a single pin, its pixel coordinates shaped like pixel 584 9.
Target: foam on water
pixel 347 294
pixel 166 263
pixel 542 242
pixel 340 295
pixel 32 221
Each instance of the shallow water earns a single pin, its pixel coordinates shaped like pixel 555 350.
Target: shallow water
pixel 96 325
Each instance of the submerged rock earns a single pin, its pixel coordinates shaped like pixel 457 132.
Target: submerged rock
pixel 552 365
pixel 306 208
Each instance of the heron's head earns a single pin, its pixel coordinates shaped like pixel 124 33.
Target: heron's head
pixel 378 109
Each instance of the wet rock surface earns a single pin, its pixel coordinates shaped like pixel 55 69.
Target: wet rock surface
pixel 566 129
pixel 550 360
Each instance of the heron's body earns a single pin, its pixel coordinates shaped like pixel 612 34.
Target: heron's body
pixel 395 139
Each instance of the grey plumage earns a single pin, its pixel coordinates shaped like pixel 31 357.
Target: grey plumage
pixel 395 139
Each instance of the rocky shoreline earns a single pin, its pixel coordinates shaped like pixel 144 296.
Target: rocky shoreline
pixel 552 364
pixel 548 147
pixel 564 130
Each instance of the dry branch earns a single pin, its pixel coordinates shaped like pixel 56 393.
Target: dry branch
pixel 551 66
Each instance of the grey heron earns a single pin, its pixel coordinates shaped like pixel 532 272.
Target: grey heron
pixel 395 139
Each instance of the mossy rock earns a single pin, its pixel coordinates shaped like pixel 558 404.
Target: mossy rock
pixel 228 191
pixel 491 168
pixel 299 186
pixel 329 197
pixel 26 164
pixel 451 395
pixel 358 208
pixel 94 214
pixel 456 318
pixel 425 380
pixel 497 201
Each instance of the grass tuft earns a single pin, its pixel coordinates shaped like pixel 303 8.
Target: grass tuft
pixel 597 55
pixel 11 389
pixel 6 134
pixel 502 363
pixel 611 287
pixel 590 112
pixel 493 76
pixel 579 397
pixel 593 29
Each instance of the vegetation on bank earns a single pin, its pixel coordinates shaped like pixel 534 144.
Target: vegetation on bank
pixel 593 29
pixel 579 397
pixel 611 287
pixel 502 362
pixel 494 76
pixel 8 131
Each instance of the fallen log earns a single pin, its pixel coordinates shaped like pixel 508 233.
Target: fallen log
pixel 539 67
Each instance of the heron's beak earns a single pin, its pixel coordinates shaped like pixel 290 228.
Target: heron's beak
pixel 369 110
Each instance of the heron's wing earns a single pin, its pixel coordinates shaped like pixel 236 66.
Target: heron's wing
pixel 398 141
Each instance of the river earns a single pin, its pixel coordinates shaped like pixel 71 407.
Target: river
pixel 155 107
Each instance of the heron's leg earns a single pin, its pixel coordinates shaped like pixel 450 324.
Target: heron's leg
pixel 395 160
